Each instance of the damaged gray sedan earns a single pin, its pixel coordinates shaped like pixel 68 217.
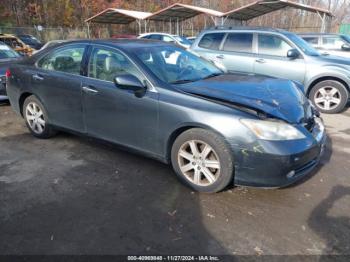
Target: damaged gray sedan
pixel 215 128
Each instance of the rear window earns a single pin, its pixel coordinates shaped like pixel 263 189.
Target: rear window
pixel 155 37
pixel 211 41
pixel 239 42
pixel 311 39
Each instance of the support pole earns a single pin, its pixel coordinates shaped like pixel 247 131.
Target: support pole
pixel 139 25
pixel 88 30
pixel 177 26
pixel 192 27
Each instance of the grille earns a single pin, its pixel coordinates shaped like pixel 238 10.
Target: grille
pixel 305 167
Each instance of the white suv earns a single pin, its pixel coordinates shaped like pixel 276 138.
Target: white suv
pixel 179 40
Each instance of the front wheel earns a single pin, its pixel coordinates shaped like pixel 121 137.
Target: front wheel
pixel 36 118
pixel 329 96
pixel 202 160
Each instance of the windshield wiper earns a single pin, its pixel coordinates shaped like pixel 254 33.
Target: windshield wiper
pixel 183 81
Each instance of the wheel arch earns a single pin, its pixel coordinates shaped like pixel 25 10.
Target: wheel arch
pixel 178 131
pixel 325 78
pixel 21 100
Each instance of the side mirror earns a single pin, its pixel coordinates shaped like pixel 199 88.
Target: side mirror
pixel 129 82
pixel 345 47
pixel 293 54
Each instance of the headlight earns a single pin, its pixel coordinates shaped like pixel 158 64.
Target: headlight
pixel 270 130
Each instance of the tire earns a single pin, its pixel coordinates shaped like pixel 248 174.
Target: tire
pixel 36 118
pixel 192 168
pixel 329 97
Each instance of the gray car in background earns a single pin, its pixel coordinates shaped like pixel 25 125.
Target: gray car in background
pixel 332 44
pixel 281 54
pixel 8 56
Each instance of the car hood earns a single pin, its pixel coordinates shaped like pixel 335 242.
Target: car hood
pixel 277 98
pixel 333 59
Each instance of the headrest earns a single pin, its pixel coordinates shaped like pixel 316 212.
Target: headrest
pixel 63 62
pixel 101 59
pixel 111 63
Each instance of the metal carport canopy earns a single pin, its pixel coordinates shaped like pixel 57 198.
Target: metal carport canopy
pixel 181 12
pixel 263 7
pixel 117 16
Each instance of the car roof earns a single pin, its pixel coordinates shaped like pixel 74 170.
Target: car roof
pixel 245 28
pixel 319 34
pixel 157 33
pixel 120 43
pixel 7 36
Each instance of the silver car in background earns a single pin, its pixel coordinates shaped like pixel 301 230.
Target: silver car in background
pixel 176 39
pixel 332 44
pixel 281 54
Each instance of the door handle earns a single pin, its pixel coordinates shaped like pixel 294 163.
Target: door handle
pixel 90 90
pixel 260 60
pixel 37 77
pixel 220 56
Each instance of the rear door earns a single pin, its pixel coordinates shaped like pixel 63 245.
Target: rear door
pixel 272 59
pixel 57 80
pixel 237 52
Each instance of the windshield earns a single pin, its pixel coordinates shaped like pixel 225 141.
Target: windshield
pixel 174 65
pixel 346 38
pixel 182 40
pixel 303 45
pixel 6 52
pixel 29 40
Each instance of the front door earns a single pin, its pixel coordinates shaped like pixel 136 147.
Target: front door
pixel 272 59
pixel 116 114
pixel 57 78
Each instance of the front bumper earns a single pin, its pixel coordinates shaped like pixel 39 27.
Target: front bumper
pixel 3 86
pixel 279 164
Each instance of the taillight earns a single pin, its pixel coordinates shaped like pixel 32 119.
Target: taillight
pixel 8 73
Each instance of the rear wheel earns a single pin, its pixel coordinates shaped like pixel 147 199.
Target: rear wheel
pixel 202 160
pixel 36 118
pixel 329 96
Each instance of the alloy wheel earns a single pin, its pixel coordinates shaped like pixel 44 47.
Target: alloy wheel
pixel 199 163
pixel 327 98
pixel 35 118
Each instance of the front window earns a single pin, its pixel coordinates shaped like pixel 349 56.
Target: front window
pixel 211 41
pixel 239 42
pixel 67 59
pixel 107 64
pixel 273 45
pixel 6 52
pixel 174 65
